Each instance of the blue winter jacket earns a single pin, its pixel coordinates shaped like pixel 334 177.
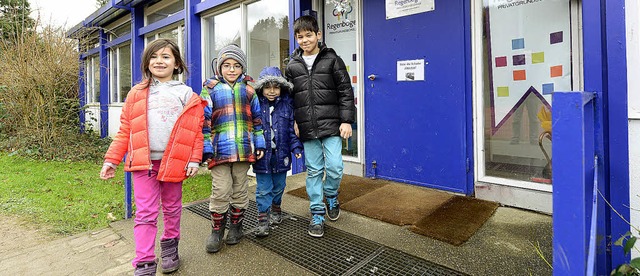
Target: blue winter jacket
pixel 286 140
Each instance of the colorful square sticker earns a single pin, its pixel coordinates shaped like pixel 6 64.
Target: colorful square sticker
pixel 517 43
pixel 547 88
pixel 555 37
pixel 519 75
pixel 537 57
pixel 501 61
pixel 518 60
pixel 503 91
pixel 556 71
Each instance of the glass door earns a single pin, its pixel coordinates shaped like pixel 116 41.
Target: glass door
pixel 528 51
pixel 340 27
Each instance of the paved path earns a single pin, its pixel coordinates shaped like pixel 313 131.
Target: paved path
pixel 103 252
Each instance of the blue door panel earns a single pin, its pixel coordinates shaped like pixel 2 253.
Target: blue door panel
pixel 416 132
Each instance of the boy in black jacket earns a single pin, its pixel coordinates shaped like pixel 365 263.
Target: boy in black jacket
pixel 324 111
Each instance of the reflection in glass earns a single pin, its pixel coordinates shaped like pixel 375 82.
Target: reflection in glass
pixel 342 16
pixel 164 12
pixel 268 43
pixel 222 29
pixel 526 60
pixel 121 73
pixel 95 62
pixel 124 69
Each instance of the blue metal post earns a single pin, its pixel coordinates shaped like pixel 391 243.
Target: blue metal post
pixel 617 125
pixel 573 167
pixel 594 39
pixel 104 85
pixel 193 47
pixel 137 46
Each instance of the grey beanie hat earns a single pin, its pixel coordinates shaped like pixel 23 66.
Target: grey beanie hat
pixel 234 52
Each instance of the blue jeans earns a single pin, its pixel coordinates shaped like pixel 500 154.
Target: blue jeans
pixel 323 156
pixel 269 190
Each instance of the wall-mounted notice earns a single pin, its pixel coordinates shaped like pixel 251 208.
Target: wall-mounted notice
pixel 411 70
pixel 399 8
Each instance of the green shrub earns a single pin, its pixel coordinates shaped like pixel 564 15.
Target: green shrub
pixel 39 105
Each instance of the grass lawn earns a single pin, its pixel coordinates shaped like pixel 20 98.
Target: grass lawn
pixel 70 197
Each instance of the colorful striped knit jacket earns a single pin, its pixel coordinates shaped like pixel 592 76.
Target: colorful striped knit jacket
pixel 233 121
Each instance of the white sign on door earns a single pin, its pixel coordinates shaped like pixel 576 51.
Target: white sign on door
pixel 399 8
pixel 410 70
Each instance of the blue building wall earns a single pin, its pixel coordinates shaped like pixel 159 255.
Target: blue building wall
pixel 604 67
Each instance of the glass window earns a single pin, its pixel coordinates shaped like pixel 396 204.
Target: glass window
pixel 268 32
pixel 89 42
pixel 174 33
pixel 526 60
pixel 120 73
pixel 222 29
pixel 93 79
pixel 120 31
pixel 340 33
pixel 164 10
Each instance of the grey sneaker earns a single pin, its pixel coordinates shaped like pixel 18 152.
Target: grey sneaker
pixel 263 225
pixel 275 218
pixel 316 226
pixel 333 207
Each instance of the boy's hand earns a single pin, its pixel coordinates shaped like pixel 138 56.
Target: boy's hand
pixel 295 129
pixel 345 130
pixel 259 154
pixel 298 155
pixel 107 172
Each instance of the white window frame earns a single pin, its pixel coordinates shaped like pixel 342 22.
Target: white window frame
pixel 116 79
pixel 478 90
pixel 91 88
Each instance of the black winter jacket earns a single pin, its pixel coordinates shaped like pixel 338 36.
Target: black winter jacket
pixel 322 98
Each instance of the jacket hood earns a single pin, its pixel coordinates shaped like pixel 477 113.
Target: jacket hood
pixel 272 75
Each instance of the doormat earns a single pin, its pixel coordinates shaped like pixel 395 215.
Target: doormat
pixel 432 213
pixel 351 187
pixel 456 220
pixel 398 204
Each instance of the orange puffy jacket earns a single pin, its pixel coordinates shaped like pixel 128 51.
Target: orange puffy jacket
pixel 185 142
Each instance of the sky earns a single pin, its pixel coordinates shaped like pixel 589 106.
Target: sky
pixel 62 13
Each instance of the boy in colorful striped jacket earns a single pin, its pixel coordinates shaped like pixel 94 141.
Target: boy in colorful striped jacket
pixel 233 139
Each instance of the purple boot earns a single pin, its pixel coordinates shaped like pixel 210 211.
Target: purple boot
pixel 169 254
pixel 145 269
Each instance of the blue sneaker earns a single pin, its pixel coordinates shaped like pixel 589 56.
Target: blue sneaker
pixel 316 226
pixel 334 208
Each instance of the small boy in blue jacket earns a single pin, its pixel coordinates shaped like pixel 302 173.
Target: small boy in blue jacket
pixel 277 122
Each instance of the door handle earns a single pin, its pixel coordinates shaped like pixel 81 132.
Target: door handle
pixel 372 77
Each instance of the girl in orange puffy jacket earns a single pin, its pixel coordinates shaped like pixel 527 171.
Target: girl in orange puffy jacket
pixel 161 132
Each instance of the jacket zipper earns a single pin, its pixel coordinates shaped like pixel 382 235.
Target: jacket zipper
pixel 175 128
pixel 311 94
pixel 148 140
pixel 131 151
pixel 235 120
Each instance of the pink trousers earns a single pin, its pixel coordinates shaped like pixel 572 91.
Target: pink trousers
pixel 149 193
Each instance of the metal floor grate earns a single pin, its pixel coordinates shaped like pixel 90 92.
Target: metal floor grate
pixel 337 253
